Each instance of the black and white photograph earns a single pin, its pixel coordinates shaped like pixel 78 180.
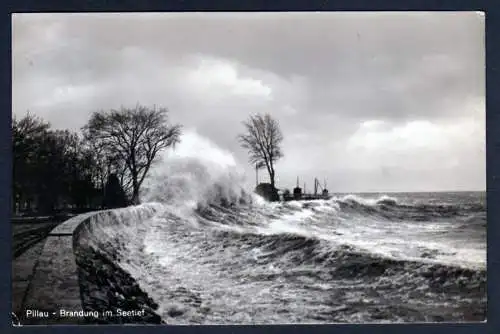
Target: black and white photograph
pixel 256 168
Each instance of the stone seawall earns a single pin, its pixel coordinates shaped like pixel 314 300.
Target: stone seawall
pixel 73 275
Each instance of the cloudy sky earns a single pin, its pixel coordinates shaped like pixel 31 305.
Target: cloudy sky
pixel 369 101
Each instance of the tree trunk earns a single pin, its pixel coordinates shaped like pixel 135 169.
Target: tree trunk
pixel 135 197
pixel 135 192
pixel 271 176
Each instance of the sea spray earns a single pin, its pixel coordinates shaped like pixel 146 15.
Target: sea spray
pixel 210 256
pixel 193 182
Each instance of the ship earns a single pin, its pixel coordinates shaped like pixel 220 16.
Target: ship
pixel 300 194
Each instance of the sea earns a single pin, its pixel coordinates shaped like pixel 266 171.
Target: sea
pixel 216 253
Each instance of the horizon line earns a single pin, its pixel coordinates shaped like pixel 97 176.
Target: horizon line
pixel 401 191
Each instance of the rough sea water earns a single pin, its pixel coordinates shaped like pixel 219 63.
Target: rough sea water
pixel 214 254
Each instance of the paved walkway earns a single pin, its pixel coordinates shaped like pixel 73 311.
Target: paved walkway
pixel 45 276
pixel 23 268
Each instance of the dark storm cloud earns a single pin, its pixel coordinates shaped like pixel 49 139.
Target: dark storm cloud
pixel 326 77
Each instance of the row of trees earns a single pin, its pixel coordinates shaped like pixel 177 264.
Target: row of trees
pixel 48 166
pixel 104 165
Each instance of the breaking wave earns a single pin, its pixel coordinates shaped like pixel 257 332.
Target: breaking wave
pixel 216 253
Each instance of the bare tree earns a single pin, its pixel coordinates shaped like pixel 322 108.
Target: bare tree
pixel 263 138
pixel 135 136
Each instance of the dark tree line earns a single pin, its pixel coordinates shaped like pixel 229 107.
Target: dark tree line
pixel 51 168
pixel 102 167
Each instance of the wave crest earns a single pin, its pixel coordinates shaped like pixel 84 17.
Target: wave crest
pixel 192 181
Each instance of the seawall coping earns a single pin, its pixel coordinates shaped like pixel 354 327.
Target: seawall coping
pixel 55 284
